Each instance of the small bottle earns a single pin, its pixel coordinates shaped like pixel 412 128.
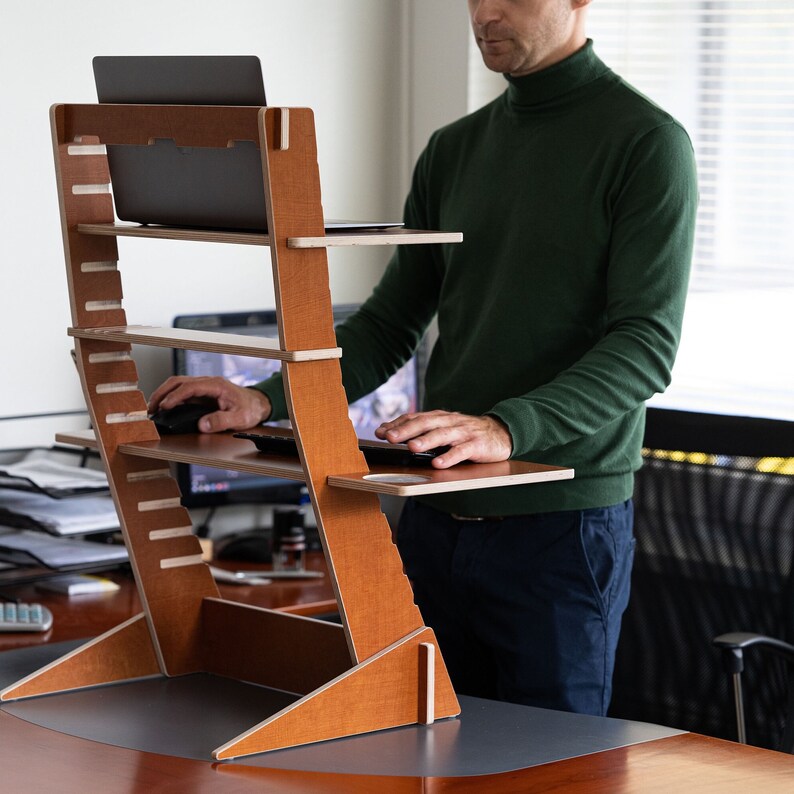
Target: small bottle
pixel 289 539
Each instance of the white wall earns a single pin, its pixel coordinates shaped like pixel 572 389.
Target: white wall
pixel 379 76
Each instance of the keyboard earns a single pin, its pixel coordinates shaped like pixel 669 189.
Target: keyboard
pixel 24 617
pixel 374 451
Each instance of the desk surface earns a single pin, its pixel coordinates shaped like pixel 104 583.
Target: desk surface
pixel 34 758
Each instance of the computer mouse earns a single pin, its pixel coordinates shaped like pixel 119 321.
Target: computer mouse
pixel 181 418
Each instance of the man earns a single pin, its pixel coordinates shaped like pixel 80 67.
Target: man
pixel 558 316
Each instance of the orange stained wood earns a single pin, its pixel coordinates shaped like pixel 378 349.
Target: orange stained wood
pixel 164 553
pixel 375 597
pixel 381 692
pixel 125 652
pixel 280 650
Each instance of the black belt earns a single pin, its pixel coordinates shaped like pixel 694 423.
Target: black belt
pixel 480 518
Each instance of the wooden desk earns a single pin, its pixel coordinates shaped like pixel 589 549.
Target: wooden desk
pixel 38 759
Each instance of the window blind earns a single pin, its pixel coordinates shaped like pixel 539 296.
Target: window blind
pixel 725 69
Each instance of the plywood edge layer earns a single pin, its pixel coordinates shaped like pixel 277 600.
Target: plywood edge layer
pixel 209 341
pixel 465 477
pixel 174 233
pixel 78 438
pixel 375 237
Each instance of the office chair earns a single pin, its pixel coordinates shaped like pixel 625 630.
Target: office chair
pixel 733 646
pixel 714 554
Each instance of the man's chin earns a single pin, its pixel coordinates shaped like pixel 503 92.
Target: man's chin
pixel 498 59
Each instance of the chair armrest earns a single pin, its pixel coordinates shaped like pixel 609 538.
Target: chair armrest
pixel 734 643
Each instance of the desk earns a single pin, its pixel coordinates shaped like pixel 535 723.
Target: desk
pixel 39 759
pixel 81 616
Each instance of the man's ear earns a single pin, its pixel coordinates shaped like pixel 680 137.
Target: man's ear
pixel 577 4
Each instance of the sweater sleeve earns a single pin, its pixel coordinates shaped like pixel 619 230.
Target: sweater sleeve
pixel 648 268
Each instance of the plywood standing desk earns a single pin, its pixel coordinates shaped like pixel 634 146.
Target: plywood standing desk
pixel 381 667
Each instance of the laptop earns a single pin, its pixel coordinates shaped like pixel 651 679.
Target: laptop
pixel 172 185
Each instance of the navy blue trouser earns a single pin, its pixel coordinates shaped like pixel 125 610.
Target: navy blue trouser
pixel 526 609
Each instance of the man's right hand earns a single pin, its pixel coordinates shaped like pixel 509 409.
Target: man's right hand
pixel 239 408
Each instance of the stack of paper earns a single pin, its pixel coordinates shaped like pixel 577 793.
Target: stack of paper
pixel 37 472
pixel 31 548
pixel 76 516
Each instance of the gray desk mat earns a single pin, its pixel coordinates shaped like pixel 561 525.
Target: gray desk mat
pixel 191 715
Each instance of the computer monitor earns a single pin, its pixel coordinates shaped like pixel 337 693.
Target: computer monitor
pixel 203 486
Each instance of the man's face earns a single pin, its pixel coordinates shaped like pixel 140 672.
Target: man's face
pixel 518 37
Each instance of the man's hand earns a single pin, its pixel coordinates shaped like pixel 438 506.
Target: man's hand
pixel 482 439
pixel 238 408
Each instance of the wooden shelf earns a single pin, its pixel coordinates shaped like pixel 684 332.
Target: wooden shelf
pixel 174 233
pixel 393 236
pixel 223 451
pixel 209 341
pixel 389 236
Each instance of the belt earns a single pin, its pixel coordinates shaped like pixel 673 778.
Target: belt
pixel 479 518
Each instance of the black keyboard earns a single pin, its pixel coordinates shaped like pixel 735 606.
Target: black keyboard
pixel 374 452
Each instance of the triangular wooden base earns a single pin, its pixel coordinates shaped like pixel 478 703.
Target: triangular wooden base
pixel 121 654
pixel 387 690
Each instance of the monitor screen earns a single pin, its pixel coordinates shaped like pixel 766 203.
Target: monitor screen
pixel 206 486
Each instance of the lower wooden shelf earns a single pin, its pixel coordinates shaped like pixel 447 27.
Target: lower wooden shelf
pixel 223 451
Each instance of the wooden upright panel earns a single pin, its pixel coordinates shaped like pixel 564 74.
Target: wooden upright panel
pixel 165 555
pixel 375 597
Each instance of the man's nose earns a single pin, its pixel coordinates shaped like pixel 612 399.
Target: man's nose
pixel 484 11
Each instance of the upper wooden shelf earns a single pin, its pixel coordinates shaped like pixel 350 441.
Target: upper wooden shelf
pixel 390 236
pixel 222 450
pixel 209 341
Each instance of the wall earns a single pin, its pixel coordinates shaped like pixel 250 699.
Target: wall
pixel 344 59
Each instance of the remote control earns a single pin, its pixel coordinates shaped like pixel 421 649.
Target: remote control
pixel 24 617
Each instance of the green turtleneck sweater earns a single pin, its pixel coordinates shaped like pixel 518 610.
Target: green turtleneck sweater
pixel 560 312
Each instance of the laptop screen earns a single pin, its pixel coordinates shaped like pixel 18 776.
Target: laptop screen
pixel 177 185
pixel 172 185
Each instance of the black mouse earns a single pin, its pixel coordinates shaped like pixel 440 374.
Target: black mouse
pixel 181 418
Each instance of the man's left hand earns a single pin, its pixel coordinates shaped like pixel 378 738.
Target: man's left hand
pixel 481 439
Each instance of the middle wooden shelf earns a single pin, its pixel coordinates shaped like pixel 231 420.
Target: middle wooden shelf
pixel 208 341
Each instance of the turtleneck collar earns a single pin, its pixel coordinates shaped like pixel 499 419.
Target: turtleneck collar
pixel 538 88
